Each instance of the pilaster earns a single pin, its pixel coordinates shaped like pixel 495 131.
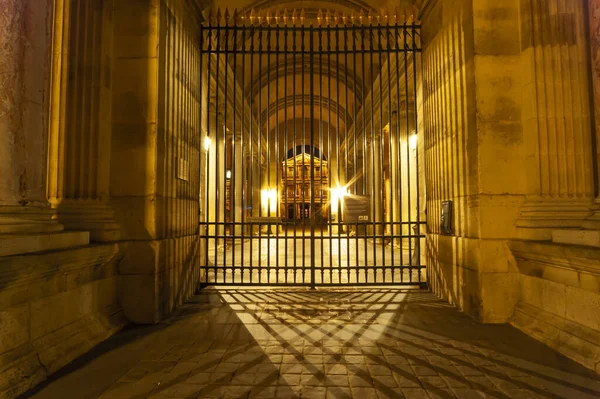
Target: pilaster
pixel 556 117
pixel 80 135
pixel 26 220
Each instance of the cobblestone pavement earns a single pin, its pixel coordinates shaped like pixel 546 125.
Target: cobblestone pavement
pixel 361 343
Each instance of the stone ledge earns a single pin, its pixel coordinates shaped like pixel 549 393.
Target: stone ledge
pixel 29 243
pixel 589 238
pixel 574 340
pixel 576 266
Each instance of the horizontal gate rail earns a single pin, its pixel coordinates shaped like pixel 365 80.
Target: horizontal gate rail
pixel 311 163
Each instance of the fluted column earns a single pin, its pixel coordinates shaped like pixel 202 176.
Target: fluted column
pixel 80 135
pixel 24 72
pixel 556 118
pixel 594 24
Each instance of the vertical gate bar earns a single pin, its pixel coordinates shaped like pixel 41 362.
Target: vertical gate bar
pixel 285 141
pixel 242 27
pixel 329 166
pixel 217 190
pixel 200 139
pixel 320 48
pixel 312 158
pixel 259 145
pixel 253 162
pixel 391 171
pixel 337 138
pixel 364 146
pixel 416 122
pixel 405 52
pixel 354 143
pixel 268 144
pixel 206 171
pixel 381 228
pixel 346 137
pixel 233 180
pixel 294 146
pixel 373 166
pixel 399 148
pixel 225 151
pixel 277 185
pixel 303 173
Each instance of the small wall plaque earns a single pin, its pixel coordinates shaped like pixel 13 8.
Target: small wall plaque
pixel 356 209
pixel 446 222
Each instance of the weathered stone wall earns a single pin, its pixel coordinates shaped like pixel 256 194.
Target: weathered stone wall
pixel 54 307
pixel 156 142
pixel 474 135
pixel 559 301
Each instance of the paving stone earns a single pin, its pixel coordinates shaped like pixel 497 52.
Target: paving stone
pixel 278 344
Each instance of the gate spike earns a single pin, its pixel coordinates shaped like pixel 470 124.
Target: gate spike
pixel 226 16
pixel 396 15
pixel 353 18
pixel 385 16
pixel 218 17
pixel 336 18
pixel 277 17
pixel 294 16
pixel 370 17
pixel 251 17
pixel 345 18
pixel 243 18
pixel 302 17
pixel 319 17
pixel 259 17
pixel 269 17
pixel 285 16
pixel 361 17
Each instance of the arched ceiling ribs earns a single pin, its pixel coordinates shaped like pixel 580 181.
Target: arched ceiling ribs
pixel 283 69
pixel 328 107
pixel 356 5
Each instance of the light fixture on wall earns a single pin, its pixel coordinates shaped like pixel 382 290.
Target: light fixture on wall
pixel 207 143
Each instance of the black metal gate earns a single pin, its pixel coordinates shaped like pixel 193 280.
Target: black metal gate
pixel 311 166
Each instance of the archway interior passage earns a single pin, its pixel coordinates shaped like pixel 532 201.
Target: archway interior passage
pixel 311 166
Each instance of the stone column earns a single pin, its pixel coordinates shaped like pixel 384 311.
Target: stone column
pixel 80 135
pixel 556 119
pixel 25 64
pixel 594 23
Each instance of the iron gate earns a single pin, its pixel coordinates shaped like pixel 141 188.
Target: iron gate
pixel 311 165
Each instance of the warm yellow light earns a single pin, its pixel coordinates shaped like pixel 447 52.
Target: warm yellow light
pixel 207 143
pixel 337 195
pixel 269 201
pixel 413 142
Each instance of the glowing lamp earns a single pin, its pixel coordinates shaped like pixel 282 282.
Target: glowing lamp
pixel 207 143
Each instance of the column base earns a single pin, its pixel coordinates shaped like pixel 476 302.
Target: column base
pixel 538 219
pixel 28 220
pixel 93 216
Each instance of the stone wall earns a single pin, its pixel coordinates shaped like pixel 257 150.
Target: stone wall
pixel 471 105
pixel 509 141
pixel 54 307
pixel 156 150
